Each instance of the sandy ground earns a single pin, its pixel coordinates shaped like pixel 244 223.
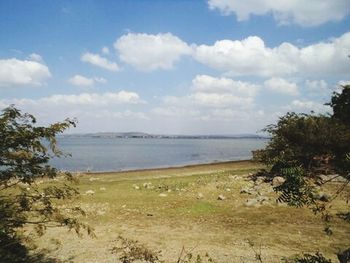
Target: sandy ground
pixel 170 209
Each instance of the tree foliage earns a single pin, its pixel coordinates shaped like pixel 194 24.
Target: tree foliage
pixel 316 143
pixel 25 151
pixel 302 146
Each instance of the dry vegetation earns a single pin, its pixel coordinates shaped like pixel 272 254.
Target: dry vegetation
pixel 214 210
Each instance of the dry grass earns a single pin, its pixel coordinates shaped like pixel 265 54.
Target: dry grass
pixel 168 209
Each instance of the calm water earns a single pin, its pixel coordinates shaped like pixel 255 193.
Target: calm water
pixel 110 154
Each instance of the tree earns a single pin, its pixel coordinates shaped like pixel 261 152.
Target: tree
pixel 315 143
pixel 25 151
pixel 305 145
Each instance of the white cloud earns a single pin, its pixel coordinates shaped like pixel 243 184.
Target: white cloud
pixel 301 12
pixel 343 82
pixel 94 111
pixel 79 80
pixel 250 56
pixel 97 60
pixel 209 84
pixel 307 105
pixel 14 72
pixel 282 86
pixel 211 99
pixel 35 57
pixel 317 87
pixel 214 92
pixel 89 99
pixel 220 100
pixel 151 52
pixel 105 50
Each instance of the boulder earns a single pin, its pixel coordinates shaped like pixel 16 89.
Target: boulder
pixel 148 185
pixel 245 190
pixel 221 197
pixel 331 178
pixel 200 196
pixel 252 202
pixel 90 192
pixel 163 195
pixel 322 197
pixel 277 181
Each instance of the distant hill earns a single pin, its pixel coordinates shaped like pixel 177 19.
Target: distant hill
pixel 163 136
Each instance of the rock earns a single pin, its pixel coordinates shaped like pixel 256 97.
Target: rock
pixel 331 178
pixel 169 190
pixel 277 181
pixel 101 212
pixel 90 192
pixel 94 179
pixel 136 187
pixel 322 197
pixel 163 195
pixel 262 199
pixel 228 190
pixel 259 180
pixel 148 185
pixel 200 196
pixel 252 202
pixel 102 189
pixel 245 190
pixel 221 197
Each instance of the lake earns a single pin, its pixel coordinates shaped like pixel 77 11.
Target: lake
pixel 117 154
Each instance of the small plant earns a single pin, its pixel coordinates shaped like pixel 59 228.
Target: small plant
pixel 257 253
pixel 189 257
pixel 131 251
pixel 308 258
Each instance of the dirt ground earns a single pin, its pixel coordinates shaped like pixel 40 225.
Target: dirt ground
pixel 215 211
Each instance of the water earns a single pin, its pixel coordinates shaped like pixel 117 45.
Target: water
pixel 112 154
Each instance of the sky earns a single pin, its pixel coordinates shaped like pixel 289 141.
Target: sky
pixel 172 66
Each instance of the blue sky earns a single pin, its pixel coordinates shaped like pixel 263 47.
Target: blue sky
pixel 175 67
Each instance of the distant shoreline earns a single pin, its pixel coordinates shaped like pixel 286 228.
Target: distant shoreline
pixel 140 135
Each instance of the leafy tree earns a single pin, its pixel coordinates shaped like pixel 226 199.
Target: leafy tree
pixel 305 145
pixel 25 150
pixel 315 143
pixel 340 104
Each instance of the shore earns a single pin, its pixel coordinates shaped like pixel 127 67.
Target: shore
pixel 208 209
pixel 205 165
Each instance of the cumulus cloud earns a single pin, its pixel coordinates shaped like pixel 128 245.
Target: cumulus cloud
pixel 210 98
pixel 105 50
pixel 282 86
pixel 209 84
pixel 89 99
pixel 222 92
pixel 148 52
pixel 307 106
pixel 35 57
pixel 15 72
pixel 304 13
pixel 251 56
pixel 97 60
pixel 79 80
pixel 94 111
